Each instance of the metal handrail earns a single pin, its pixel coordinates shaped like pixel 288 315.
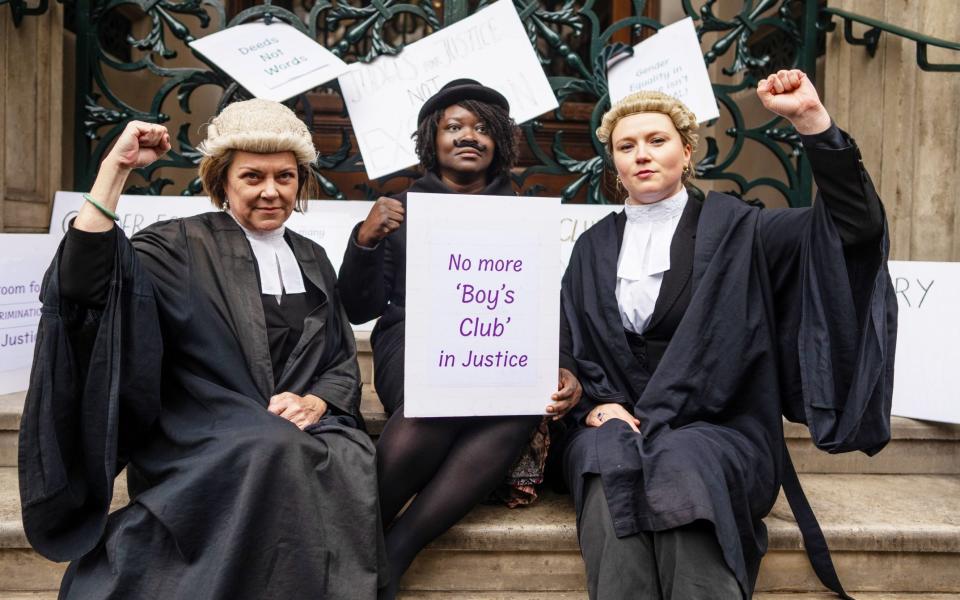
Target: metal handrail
pixel 871 39
pixel 21 10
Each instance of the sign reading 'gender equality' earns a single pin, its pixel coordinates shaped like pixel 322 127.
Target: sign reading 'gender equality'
pixel 482 305
pixel 668 62
pixel 384 97
pixel 273 61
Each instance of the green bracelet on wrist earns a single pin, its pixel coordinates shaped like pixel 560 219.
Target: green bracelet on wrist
pixel 101 207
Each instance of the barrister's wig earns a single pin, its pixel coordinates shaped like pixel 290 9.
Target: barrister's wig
pixel 648 101
pixel 261 126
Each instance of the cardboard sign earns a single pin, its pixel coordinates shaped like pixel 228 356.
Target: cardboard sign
pixel 272 61
pixel 670 62
pixel 483 304
pixel 384 97
pixel 927 377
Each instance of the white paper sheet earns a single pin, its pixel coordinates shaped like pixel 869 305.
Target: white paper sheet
pixel 384 97
pixel 273 61
pixel 670 62
pixel 483 303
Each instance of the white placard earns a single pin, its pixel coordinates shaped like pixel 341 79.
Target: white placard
pixel 326 222
pixel 384 97
pixel 272 61
pixel 927 373
pixel 20 280
pixel 483 304
pixel 671 62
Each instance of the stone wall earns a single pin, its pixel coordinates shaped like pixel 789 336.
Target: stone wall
pixel 906 121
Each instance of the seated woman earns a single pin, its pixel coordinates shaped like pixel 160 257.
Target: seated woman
pixel 211 357
pixel 694 327
pixel 467 143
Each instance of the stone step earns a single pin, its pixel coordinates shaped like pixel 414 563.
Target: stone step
pixel 568 596
pixel 916 447
pixel 888 533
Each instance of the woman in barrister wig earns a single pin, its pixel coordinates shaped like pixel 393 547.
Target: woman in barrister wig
pixel 694 327
pixel 211 357
pixel 466 143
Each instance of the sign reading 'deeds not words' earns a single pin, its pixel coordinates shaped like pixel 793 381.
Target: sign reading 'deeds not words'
pixel 670 62
pixel 482 305
pixel 384 96
pixel 273 61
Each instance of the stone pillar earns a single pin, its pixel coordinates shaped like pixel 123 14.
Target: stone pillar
pixel 31 117
pixel 906 122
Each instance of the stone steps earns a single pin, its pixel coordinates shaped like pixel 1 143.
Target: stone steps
pixel 889 533
pixel 893 522
pixel 916 447
pixel 567 596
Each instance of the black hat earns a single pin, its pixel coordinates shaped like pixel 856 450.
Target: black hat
pixel 461 89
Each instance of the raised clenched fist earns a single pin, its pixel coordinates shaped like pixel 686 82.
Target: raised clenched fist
pixel 385 217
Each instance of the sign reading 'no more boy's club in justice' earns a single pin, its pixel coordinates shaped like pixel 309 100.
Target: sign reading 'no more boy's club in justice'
pixel 482 305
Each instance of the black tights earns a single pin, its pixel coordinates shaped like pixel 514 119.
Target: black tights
pixel 450 464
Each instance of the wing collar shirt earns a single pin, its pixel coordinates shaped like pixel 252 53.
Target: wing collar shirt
pixel 645 257
pixel 279 271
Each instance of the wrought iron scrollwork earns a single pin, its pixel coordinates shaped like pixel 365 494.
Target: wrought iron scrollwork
pixel 573 41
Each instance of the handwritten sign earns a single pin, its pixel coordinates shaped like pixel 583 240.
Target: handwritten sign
pixel 926 377
pixel 483 303
pixel 20 279
pixel 384 97
pixel 273 61
pixel 670 62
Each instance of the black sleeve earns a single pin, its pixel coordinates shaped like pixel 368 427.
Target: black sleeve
pixel 847 194
pixel 86 265
pixel 566 346
pixel 364 281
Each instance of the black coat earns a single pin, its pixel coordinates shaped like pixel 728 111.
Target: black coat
pixel 172 379
pixel 782 320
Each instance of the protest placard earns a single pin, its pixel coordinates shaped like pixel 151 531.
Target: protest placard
pixel 24 258
pixel 272 61
pixel 927 377
pixel 384 96
pixel 670 62
pixel 482 305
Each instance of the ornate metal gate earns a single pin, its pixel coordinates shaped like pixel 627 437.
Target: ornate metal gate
pixel 573 38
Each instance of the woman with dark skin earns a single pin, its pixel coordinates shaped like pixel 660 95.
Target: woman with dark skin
pixel 466 143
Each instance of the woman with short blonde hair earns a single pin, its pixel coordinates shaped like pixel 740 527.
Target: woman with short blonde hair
pixel 694 327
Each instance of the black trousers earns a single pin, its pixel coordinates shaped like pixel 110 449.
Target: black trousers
pixel 677 564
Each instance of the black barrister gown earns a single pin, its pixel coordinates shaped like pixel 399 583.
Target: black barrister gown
pixel 773 317
pixel 172 379
pixel 373 284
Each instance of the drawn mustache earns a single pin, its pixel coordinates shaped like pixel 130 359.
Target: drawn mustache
pixel 469 144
